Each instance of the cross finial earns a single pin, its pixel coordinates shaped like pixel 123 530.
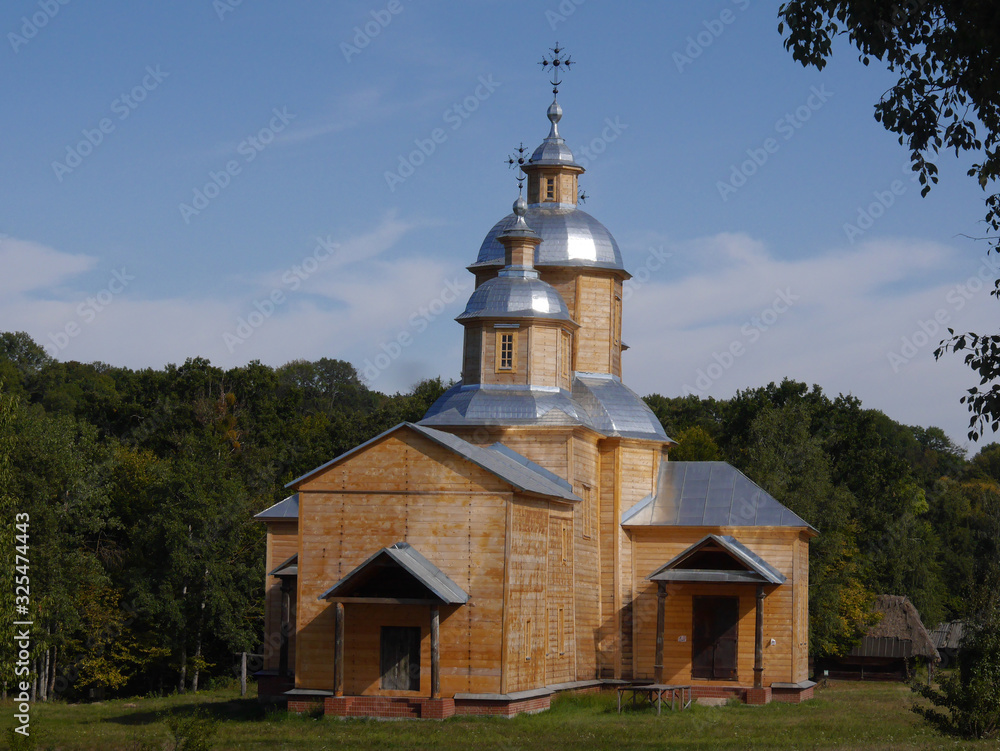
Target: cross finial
pixel 518 158
pixel 556 61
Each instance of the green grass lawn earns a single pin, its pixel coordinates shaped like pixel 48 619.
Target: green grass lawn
pixel 842 716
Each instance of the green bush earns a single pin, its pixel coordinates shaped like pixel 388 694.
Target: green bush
pixel 971 695
pixel 191 731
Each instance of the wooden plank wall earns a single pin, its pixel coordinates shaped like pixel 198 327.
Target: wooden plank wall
pixel 609 665
pixel 564 281
pixel 654 546
pixel 616 349
pixel 282 544
pixel 639 462
pixel 594 307
pixel 525 637
pixel 544 369
pixel 800 595
pixel 405 488
pixel 560 663
pixel 586 484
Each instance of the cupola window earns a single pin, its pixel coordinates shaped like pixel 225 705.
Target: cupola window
pixel 506 351
pixel 550 189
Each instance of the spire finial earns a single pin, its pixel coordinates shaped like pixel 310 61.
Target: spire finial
pixel 556 62
pixel 519 158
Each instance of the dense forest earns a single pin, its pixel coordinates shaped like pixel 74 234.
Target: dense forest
pixel 146 567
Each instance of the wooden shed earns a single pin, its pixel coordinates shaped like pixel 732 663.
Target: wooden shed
pixel 947 638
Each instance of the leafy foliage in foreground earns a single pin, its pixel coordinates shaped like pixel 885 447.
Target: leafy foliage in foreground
pixel 947 96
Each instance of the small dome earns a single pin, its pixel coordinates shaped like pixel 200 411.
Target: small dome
pixel 570 237
pixel 516 293
pixel 553 150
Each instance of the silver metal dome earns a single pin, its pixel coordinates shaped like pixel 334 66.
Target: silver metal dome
pixel 553 150
pixel 486 405
pixel 516 293
pixel 570 237
pixel 600 402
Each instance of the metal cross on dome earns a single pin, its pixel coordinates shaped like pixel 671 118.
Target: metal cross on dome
pixel 518 158
pixel 556 62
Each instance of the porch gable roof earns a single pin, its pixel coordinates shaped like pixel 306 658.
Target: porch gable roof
pixel 432 585
pixel 750 567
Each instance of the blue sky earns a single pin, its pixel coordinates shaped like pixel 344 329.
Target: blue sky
pixel 216 179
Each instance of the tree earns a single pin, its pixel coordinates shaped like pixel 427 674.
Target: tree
pixel 971 695
pixel 790 464
pixel 8 508
pixel 694 444
pixel 945 52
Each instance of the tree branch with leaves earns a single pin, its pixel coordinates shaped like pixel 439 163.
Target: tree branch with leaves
pixel 947 98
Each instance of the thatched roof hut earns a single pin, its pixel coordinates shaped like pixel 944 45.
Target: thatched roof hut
pixel 900 633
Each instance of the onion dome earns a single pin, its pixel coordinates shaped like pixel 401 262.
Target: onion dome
pixel 570 237
pixel 553 150
pixel 516 291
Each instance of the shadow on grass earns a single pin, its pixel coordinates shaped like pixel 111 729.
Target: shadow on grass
pixel 241 710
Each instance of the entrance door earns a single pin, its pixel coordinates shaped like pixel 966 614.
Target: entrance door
pixel 714 637
pixel 401 658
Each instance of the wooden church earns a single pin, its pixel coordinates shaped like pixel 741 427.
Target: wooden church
pixel 530 535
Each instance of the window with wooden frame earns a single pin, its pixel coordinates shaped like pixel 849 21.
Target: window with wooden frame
pixel 567 542
pixel 528 640
pixel 588 513
pixel 566 354
pixel 550 189
pixel 506 354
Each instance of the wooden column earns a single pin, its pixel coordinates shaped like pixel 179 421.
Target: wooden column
pixel 435 652
pixel 758 651
pixel 661 598
pixel 338 650
pixel 286 587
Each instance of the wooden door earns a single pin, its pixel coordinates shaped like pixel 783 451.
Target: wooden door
pixel 714 630
pixel 400 658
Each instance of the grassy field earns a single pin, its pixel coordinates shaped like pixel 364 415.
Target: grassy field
pixel 842 716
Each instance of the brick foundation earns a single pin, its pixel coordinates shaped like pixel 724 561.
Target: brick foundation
pixel 792 696
pixel 502 708
pixel 758 696
pixel 303 705
pixel 718 692
pixel 389 707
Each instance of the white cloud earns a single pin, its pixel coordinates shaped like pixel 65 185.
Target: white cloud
pixel 373 304
pixel 839 331
pixel 345 305
pixel 29 266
